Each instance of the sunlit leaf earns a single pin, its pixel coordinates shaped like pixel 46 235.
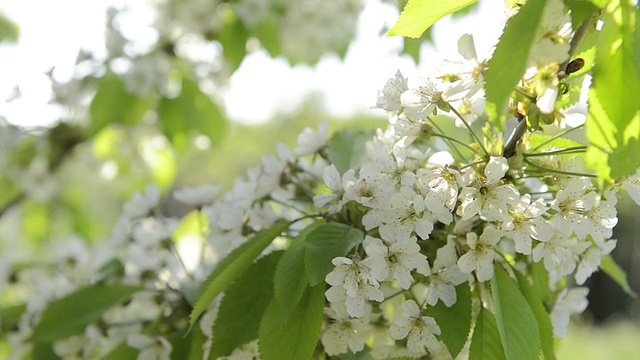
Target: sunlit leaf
pixel 71 314
pixel 418 15
pixel 616 81
pixel 486 343
pixel 454 322
pixel 541 314
pixel 509 61
pixel 9 31
pixel 325 243
pixel 516 322
pixel 231 267
pixel 243 304
pixel 297 339
pixel 615 272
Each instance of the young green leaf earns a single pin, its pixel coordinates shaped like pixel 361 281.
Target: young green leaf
pixel 191 111
pixel 615 77
pixel 231 267
pixel 418 15
pixel 114 104
pixel 299 337
pixel 542 317
pixel 189 347
pixel 540 277
pixel 486 343
pixel 9 31
pixel 71 314
pixel 516 322
pixel 454 322
pixel 244 302
pixel 325 243
pixel 624 161
pixel 509 60
pixel 290 280
pixel 347 149
pixel 609 266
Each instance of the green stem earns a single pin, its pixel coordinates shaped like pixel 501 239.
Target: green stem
pixel 472 164
pixel 558 171
pixel 473 134
pixel 451 145
pixel 571 150
pixel 557 136
pixel 459 142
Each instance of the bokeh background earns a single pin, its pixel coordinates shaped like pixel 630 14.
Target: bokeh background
pixel 87 90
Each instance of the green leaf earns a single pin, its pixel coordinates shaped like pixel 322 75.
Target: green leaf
pixel 325 243
pixel 616 80
pixel 122 352
pixel 114 104
pixel 509 61
pixel 243 304
pixel 290 280
pixel 187 347
pixel 43 351
pixel 412 46
pixel 600 3
pixel 542 317
pixel 232 266
pixel 540 143
pixel 516 322
pixel 71 314
pixel 624 161
pixel 418 15
pixel 454 322
pixel 233 38
pixel 9 31
pixel 486 343
pixel 268 33
pixel 609 266
pixel 297 339
pixel 540 277
pixel 192 111
pixel 347 149
pixel 581 10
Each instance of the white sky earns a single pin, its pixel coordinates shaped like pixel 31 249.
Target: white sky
pixel 52 32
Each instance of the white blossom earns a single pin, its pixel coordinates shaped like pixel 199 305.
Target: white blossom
pixel 489 198
pixel 591 260
pixel 395 260
pixel 572 203
pixel 343 333
pixel 569 302
pixel 389 96
pixel 421 101
pixel 526 223
pixel 481 253
pixel 352 283
pixel 560 253
pixel 420 331
pixel 445 275
pixel 310 142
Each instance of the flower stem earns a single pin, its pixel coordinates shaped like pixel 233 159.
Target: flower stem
pixel 559 135
pixel 558 171
pixel 571 150
pixel 459 142
pixel 473 134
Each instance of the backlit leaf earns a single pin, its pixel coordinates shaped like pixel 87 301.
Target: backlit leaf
pixel 508 63
pixel 418 15
pixel 231 267
pixel 516 322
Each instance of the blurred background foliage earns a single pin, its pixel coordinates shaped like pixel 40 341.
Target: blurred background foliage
pixel 151 113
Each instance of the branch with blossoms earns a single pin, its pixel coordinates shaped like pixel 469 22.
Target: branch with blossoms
pixel 456 232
